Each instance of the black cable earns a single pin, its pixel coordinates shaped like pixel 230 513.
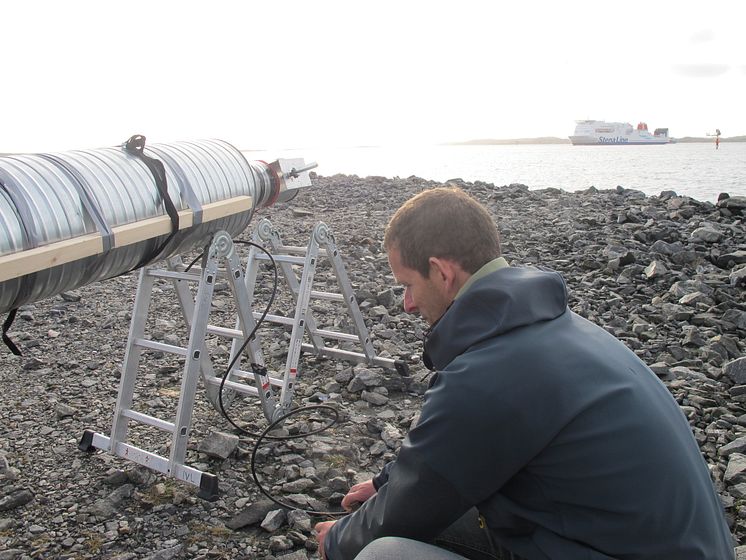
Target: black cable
pixel 248 339
pixel 191 264
pixel 265 434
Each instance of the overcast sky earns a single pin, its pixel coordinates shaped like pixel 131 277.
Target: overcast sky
pixel 272 74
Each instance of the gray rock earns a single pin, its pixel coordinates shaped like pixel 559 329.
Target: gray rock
pixel 374 398
pixel 274 520
pixel 16 499
pixel 108 506
pixel 733 202
pixel 695 298
pixel 299 485
pixel 736 370
pixel 166 554
pixel 364 378
pixel 735 446
pixel 655 269
pixel 731 259
pixel 386 298
pixel 251 515
pixel 736 470
pixel 300 520
pixel 219 445
pixel 279 543
pixel 738 276
pixel 64 411
pixel 706 234
pixel 738 491
pixel 295 555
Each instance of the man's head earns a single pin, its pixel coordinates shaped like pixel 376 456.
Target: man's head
pixel 435 242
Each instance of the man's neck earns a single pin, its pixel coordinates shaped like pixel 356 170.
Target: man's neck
pixel 492 266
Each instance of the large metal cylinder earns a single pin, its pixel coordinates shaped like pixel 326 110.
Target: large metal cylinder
pixel 48 198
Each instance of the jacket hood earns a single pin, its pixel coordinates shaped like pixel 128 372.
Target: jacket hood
pixel 504 300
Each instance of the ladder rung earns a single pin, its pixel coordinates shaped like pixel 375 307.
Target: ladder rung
pixel 281 258
pixel 293 250
pixel 336 335
pixel 278 319
pixel 238 387
pixel 223 331
pixel 164 273
pixel 149 420
pixel 250 375
pixel 337 353
pixel 163 347
pixel 327 295
pixel 241 387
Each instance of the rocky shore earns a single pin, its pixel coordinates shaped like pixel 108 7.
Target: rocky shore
pixel 665 274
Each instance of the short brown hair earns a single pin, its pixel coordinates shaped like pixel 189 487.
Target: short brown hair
pixel 444 223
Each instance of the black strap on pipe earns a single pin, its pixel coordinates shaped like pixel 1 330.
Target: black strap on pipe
pixel 185 186
pixel 135 146
pixel 28 233
pixel 6 327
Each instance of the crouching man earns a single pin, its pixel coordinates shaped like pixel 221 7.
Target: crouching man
pixel 541 436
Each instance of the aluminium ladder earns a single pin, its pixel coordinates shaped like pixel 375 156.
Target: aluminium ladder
pixel 196 311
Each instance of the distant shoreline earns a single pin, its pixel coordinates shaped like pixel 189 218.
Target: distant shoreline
pixel 555 140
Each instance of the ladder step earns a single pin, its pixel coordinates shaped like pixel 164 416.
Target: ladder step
pixel 250 375
pixel 224 331
pixel 281 258
pixel 192 276
pixel 149 420
pixel 293 250
pixel 241 387
pixel 336 335
pixel 356 357
pixel 330 296
pixel 163 347
pixel 280 320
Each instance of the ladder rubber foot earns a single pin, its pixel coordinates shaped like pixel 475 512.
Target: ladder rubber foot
pixel 208 487
pixel 86 442
pixel 402 367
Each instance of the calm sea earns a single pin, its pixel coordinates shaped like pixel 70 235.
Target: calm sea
pixel 697 170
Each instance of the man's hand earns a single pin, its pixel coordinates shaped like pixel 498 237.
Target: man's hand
pixel 321 530
pixel 358 494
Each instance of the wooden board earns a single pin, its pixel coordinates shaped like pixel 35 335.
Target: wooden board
pixel 69 250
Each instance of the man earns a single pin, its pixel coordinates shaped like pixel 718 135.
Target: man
pixel 557 435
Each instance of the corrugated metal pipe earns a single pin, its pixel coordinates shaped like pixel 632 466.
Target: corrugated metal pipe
pixel 72 218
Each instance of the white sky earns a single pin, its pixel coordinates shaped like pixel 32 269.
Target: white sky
pixel 272 74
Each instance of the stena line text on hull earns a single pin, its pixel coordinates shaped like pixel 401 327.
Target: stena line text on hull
pixel 602 133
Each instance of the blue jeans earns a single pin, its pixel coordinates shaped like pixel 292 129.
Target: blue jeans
pixel 464 539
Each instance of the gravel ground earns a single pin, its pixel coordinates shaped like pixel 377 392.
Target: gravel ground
pixel 665 274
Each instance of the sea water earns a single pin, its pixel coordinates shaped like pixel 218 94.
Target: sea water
pixel 697 170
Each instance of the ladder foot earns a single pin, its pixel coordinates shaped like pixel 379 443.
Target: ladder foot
pixel 208 487
pixel 86 442
pixel 402 368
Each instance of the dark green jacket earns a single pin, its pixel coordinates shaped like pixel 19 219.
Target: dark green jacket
pixel 565 441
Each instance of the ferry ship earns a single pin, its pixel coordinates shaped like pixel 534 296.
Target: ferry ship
pixel 592 133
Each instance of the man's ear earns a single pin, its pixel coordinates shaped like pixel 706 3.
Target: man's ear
pixel 448 274
pixel 443 271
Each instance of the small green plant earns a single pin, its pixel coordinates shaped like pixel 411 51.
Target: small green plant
pixel 336 461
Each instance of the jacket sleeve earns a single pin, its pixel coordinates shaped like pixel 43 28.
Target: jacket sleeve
pixel 469 441
pixel 416 503
pixel 381 478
